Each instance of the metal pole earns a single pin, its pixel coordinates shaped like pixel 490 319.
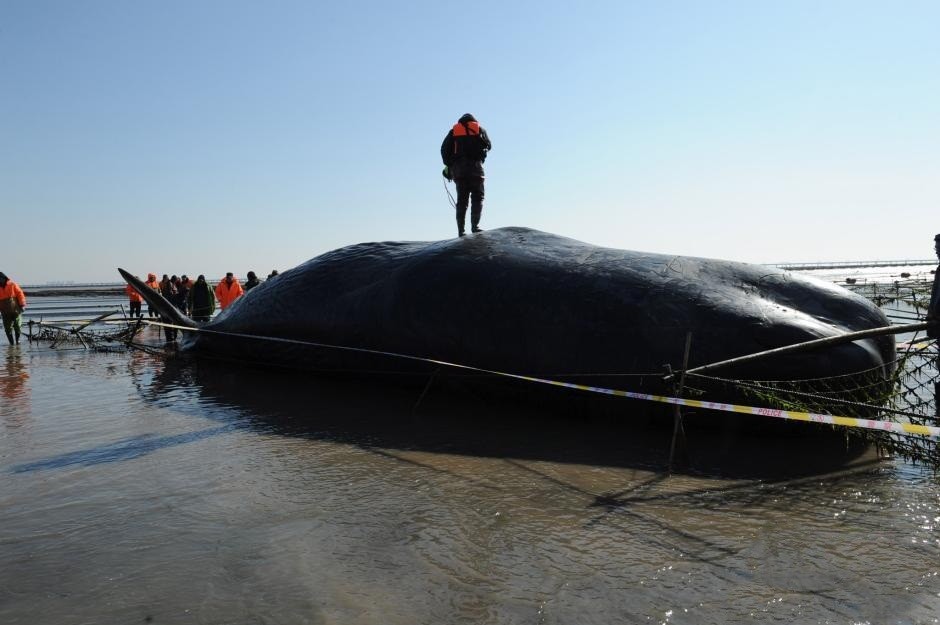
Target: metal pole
pixel 677 419
pixel 932 314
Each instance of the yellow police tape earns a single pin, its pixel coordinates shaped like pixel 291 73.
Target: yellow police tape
pixel 852 422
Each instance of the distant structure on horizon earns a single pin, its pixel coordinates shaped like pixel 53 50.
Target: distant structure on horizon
pixel 848 264
pixel 853 264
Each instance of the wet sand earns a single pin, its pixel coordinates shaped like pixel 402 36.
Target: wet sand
pixel 137 488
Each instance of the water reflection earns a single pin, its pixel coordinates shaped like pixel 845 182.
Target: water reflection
pixel 14 390
pixel 206 492
pixel 455 418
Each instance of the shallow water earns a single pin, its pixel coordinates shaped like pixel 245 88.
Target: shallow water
pixel 136 488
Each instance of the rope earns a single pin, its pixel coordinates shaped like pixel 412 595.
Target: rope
pixel 450 198
pixel 851 422
pixel 827 398
pixel 377 352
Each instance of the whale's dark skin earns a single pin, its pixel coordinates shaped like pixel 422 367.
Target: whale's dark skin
pixel 522 301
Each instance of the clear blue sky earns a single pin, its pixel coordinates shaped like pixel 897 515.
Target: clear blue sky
pixel 201 137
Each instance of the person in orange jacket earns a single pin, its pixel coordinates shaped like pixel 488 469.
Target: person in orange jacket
pixel 12 304
pixel 153 284
pixel 228 290
pixel 135 300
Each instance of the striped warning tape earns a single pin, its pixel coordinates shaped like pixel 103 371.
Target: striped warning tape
pixel 852 422
pixel 923 344
pixel 868 424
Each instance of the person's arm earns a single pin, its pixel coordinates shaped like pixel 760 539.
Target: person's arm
pixel 486 140
pixel 447 148
pixel 933 310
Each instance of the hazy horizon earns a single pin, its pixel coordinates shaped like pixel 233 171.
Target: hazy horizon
pixel 920 270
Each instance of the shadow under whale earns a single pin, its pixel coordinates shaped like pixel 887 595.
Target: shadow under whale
pixel 380 416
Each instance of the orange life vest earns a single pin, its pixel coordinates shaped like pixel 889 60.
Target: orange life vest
pixel 228 293
pixel 463 130
pixel 13 291
pixel 467 140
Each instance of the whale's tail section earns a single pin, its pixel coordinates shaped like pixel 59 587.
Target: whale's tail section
pixel 168 311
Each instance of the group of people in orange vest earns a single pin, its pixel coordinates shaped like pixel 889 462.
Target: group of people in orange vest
pixel 197 299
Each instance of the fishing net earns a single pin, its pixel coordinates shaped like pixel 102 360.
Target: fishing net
pixel 908 395
pixel 901 301
pixel 100 336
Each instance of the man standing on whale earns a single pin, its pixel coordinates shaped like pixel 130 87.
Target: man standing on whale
pixel 463 151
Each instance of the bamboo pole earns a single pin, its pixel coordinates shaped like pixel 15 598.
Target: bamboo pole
pixel 812 345
pixel 96 319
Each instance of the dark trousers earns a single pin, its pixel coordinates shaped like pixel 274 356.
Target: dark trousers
pixel 135 309
pixel 169 333
pixel 469 191
pixel 11 325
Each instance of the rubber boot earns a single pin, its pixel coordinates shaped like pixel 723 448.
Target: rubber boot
pixel 475 212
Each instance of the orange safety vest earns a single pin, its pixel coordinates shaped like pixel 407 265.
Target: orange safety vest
pixel 471 128
pixel 133 294
pixel 13 291
pixel 227 293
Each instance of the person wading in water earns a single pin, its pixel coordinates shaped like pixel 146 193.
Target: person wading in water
pixel 12 304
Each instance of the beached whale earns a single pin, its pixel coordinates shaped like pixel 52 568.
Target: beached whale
pixel 527 302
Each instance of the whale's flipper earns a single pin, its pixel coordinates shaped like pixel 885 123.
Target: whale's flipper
pixel 168 311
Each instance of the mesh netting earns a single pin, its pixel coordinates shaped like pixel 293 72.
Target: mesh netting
pixel 906 396
pixel 99 337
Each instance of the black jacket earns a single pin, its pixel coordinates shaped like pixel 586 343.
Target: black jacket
pixel 464 155
pixel 933 311
pixel 201 299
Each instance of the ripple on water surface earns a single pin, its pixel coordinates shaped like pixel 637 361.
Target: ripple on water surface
pixel 137 487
